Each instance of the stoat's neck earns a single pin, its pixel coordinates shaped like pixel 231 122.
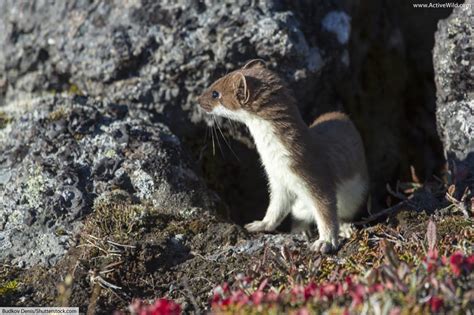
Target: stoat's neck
pixel 278 130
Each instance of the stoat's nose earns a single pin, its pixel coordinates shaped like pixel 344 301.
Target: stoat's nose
pixel 205 106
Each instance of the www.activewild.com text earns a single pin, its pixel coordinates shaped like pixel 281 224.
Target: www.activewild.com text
pixel 438 5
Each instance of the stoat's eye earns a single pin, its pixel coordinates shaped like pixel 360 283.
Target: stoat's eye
pixel 215 94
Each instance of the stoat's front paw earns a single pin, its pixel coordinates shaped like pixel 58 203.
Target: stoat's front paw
pixel 257 226
pixel 324 247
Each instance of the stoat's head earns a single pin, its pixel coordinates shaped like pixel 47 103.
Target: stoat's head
pixel 239 92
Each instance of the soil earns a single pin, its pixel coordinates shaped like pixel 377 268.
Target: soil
pixel 184 259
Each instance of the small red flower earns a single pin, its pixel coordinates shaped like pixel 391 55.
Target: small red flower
pixel 436 304
pixel 348 281
pixel 239 298
pixel 432 254
pixel 225 302
pixel 431 260
pixel 165 307
pixel 225 287
pixel 262 285
pixel 376 288
pixel 272 297
pixel 328 290
pixel 219 292
pixel 216 299
pixel 456 262
pixel 160 307
pixel 297 292
pixel 470 263
pixel 340 290
pixel 303 311
pixel 257 297
pixel 358 294
pixel 444 260
pixel 310 290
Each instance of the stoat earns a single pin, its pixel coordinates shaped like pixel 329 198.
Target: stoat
pixel 316 173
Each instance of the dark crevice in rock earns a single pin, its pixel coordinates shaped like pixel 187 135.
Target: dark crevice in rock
pixel 234 171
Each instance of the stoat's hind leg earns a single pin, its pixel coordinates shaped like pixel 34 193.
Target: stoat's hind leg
pixel 351 196
pixel 328 228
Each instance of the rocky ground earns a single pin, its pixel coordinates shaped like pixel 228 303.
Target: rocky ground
pixel 128 251
pixel 114 190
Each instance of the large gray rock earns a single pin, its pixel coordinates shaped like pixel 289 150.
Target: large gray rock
pixel 158 54
pixel 453 58
pixel 65 153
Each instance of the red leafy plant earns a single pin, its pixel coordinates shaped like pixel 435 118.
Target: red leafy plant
pixel 439 284
pixel 159 307
pixel 353 293
pixel 460 263
pixel 345 297
pixel 306 296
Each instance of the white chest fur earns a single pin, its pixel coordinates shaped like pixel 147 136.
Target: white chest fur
pixel 275 156
pixel 285 185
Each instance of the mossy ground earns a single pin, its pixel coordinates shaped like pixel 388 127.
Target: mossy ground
pixel 128 250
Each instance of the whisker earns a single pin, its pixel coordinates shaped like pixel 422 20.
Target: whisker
pixel 213 144
pixel 204 144
pixel 232 125
pixel 206 134
pixel 217 136
pixel 226 142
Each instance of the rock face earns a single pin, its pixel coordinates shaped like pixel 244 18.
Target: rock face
pixel 65 152
pixel 454 67
pixel 139 65
pixel 158 56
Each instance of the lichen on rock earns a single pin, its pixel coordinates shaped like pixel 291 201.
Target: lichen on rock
pixel 57 161
pixel 453 61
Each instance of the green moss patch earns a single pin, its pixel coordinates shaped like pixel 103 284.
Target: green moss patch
pixel 116 218
pixel 8 287
pixel 4 120
pixel 58 114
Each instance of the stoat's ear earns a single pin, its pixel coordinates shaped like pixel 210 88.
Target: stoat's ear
pixel 255 63
pixel 241 90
